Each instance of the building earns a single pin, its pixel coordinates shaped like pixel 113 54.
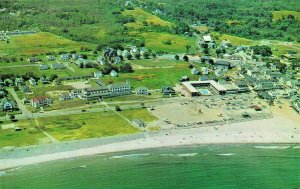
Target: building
pixel 64 57
pixel 225 43
pixel 19 81
pixel 206 59
pixel 40 101
pixel 45 80
pixel 191 87
pixel 207 38
pixel 222 64
pixel 120 88
pixel 26 89
pixel 168 91
pixel 32 81
pixel 7 105
pixel 195 71
pixel 34 59
pixel 142 91
pixel 57 66
pixel 296 106
pixel 138 123
pixel 44 67
pixel 98 74
pixel 113 73
pixel 51 57
pixel 65 97
pixel 205 71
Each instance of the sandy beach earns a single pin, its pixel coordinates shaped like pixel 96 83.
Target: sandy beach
pixel 275 130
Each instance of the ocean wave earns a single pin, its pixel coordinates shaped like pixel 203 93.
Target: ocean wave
pixel 167 154
pixel 229 154
pixel 83 166
pixel 187 155
pixel 14 169
pixel 273 147
pixel 296 147
pixel 2 173
pixel 129 155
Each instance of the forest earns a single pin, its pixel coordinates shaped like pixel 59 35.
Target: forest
pixel 249 19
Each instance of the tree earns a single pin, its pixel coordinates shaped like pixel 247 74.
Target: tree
pixel 126 68
pixel 53 77
pixel 177 57
pixel 263 50
pixel 186 58
pixel 12 117
pixel 146 55
pixel 117 108
pixel 188 48
pixel 137 55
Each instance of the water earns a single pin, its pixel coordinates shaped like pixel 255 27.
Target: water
pixel 206 166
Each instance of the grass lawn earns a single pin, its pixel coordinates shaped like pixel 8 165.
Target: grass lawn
pixel 38 43
pixel 155 63
pixel 279 14
pixel 20 70
pixel 155 41
pixel 236 40
pixel 28 136
pixel 143 16
pixel 86 126
pixel 154 78
pixel 142 114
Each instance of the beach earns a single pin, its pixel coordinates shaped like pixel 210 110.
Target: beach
pixel 279 129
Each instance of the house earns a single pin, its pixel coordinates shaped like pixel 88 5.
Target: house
pixel 98 74
pixel 34 59
pixel 19 81
pixel 168 91
pixel 51 57
pixel 139 123
pixel 206 59
pixel 32 81
pixel 8 82
pixel 296 106
pixel 45 80
pixel 44 67
pixel 65 97
pixel 101 60
pixel 94 93
pixel 117 60
pixel 225 43
pixel 195 71
pixel 205 71
pixel 184 78
pixel 142 91
pixel 57 66
pixel 292 83
pixel 265 95
pixel 64 57
pixel 126 54
pixel 253 71
pixel 40 101
pixel 222 64
pixel 232 57
pixel 75 93
pixel 243 86
pixel 113 73
pixel 203 78
pixel 207 38
pixel 2 92
pixel 7 105
pixel 76 56
pixel 219 72
pixel 26 89
pixel 1 82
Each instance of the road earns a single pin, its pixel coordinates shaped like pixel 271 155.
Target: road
pixel 21 106
pixel 18 66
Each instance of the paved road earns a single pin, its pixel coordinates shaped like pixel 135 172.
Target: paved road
pixel 21 106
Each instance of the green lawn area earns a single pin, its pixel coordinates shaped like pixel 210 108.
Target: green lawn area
pixel 86 126
pixel 155 62
pixel 20 70
pixel 155 41
pixel 28 136
pixel 235 40
pixel 279 14
pixel 39 43
pixel 142 114
pixel 154 78
pixel 143 16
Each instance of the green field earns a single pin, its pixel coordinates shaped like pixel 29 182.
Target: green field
pixel 28 136
pixel 235 40
pixel 143 16
pixel 154 78
pixel 155 41
pixel 277 15
pixel 86 126
pixel 39 43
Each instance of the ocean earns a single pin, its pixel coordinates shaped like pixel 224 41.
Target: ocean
pixel 242 166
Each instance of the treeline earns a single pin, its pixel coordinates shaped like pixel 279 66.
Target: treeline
pixel 250 19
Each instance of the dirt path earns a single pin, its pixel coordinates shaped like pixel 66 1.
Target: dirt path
pixel 54 140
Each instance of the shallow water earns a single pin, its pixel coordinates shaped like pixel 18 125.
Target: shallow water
pixel 204 166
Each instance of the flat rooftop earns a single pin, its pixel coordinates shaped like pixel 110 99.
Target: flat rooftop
pixel 190 85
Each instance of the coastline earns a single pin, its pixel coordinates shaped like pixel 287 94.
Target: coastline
pixel 269 131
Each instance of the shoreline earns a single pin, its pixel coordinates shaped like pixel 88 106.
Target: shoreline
pixel 270 131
